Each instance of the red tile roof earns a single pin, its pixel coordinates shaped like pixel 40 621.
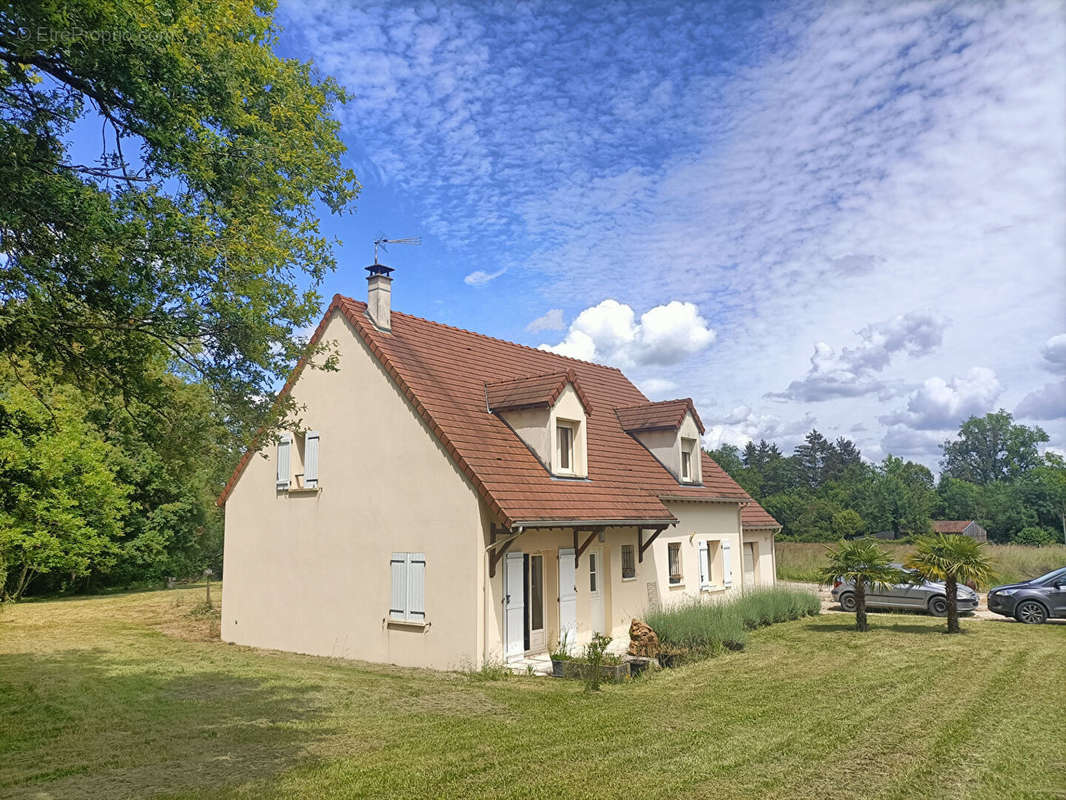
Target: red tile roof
pixel 666 414
pixel 537 390
pixel 951 525
pixel 443 372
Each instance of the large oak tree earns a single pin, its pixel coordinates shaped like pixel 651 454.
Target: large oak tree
pixel 192 229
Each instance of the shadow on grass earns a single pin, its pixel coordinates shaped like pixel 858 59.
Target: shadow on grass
pixel 876 625
pixel 85 723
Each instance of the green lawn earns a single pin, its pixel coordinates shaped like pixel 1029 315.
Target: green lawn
pixel 128 696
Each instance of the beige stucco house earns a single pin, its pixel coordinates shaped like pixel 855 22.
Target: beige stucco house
pixel 459 499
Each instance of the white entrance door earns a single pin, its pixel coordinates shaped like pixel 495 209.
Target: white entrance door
pixel 749 564
pixel 596 621
pixel 514 605
pixel 567 596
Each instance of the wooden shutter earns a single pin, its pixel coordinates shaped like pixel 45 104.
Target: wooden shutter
pixel 705 576
pixel 284 446
pixel 416 587
pixel 727 563
pixel 398 604
pixel 311 459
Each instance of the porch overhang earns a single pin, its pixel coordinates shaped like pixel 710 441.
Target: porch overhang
pixel 501 538
pixel 583 524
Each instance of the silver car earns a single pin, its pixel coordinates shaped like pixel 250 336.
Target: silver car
pixel 919 595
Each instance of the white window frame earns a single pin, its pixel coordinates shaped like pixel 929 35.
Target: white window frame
pixel 410 568
pixel 708 550
pixel 690 475
pixel 572 429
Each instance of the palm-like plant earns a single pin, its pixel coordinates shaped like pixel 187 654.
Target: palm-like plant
pixel 951 559
pixel 863 563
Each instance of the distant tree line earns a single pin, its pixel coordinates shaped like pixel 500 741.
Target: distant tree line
pixel 991 472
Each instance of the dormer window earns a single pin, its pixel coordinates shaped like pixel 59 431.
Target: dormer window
pixel 548 413
pixel 671 431
pixel 564 430
pixel 688 449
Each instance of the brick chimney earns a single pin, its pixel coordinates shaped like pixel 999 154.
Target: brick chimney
pixel 379 295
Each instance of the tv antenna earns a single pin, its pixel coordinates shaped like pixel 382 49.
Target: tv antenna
pixel 381 243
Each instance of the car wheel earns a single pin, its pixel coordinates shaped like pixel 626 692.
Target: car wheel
pixel 938 606
pixel 847 601
pixel 1030 612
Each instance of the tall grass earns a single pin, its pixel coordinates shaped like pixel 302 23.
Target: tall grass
pixel 800 561
pixel 702 628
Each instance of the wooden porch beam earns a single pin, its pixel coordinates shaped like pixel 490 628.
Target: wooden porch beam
pixel 593 533
pixel 644 545
pixel 496 553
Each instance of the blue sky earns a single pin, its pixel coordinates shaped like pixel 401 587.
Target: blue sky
pixel 844 215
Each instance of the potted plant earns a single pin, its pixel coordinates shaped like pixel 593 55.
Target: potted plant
pixel 560 656
pixel 613 668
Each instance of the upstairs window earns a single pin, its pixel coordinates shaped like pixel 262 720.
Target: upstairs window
pixel 297 462
pixel 565 444
pixel 673 557
pixel 688 455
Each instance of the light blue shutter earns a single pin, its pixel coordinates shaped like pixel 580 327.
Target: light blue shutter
pixel 416 587
pixel 727 563
pixel 398 567
pixel 311 459
pixel 705 578
pixel 283 461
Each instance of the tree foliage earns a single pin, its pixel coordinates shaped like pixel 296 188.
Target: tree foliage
pixel 824 491
pixel 992 448
pixel 951 560
pixel 865 565
pixel 189 233
pixel 89 496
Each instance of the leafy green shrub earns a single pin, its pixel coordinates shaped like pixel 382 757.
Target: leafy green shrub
pixel 593 660
pixel 699 628
pixel 1035 536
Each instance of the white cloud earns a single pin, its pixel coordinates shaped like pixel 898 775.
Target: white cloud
pixel 1047 402
pixel 839 163
pixel 551 321
pixel 658 388
pixel 851 371
pixel 742 425
pixel 901 441
pixel 609 333
pixel 1054 352
pixel 480 277
pixel 941 405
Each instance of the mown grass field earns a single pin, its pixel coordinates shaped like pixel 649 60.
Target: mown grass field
pixel 129 697
pixel 800 561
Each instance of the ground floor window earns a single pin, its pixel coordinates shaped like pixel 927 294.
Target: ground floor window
pixel 536 592
pixel 408 587
pixel 673 553
pixel 629 564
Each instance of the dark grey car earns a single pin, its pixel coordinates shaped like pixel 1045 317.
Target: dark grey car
pixel 919 595
pixel 1033 601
